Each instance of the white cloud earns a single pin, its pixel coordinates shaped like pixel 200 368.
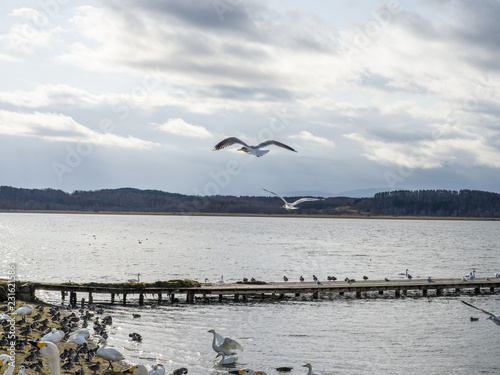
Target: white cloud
pixel 308 137
pixel 180 127
pixel 58 127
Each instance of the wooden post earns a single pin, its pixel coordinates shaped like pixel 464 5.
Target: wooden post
pixel 358 293
pixel 439 291
pixel 236 297
pixel 91 298
pixel 315 295
pixel 159 296
pixel 190 297
pixel 63 295
pixel 282 296
pixel 124 299
pixel 220 297
pixel 112 298
pixel 297 294
pixel 72 298
pixel 172 298
pixel 397 293
pixel 245 297
pixel 492 289
pixel 381 292
pixel 477 290
pixel 341 293
pixel 424 292
pixel 83 303
pixel 141 299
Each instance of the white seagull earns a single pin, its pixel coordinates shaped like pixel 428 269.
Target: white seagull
pixel 23 310
pixel 252 150
pixel 291 206
pixel 54 336
pixel 494 318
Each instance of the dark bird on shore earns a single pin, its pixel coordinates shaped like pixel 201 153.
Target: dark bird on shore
pixel 315 278
pixel 472 319
pixel 365 278
pixel 80 371
pixel 67 365
pixel 136 316
pixel 285 278
pixel 301 278
pixel 251 150
pixel 95 367
pixel 253 279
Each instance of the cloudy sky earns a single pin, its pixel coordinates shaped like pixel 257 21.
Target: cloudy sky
pixel 136 93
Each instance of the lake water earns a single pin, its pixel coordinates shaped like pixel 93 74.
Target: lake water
pixel 338 335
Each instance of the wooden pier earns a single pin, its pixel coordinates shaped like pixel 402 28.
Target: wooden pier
pixel 278 290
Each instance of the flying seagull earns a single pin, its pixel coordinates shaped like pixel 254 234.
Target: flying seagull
pixel 291 206
pixel 252 150
pixel 494 318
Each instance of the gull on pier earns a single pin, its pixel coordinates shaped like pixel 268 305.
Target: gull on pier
pixel 252 150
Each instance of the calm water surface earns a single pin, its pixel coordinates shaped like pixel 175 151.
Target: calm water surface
pixel 338 335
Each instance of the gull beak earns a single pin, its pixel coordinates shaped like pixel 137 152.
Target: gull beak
pixel 129 371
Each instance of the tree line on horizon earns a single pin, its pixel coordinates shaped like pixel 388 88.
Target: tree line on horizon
pixel 432 203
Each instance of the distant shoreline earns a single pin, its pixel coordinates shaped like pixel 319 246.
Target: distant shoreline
pixel 380 217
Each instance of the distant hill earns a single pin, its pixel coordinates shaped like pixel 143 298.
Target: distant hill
pixel 432 203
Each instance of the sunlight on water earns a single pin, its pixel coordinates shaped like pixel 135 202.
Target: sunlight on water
pixel 338 335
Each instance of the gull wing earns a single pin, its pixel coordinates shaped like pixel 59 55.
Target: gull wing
pixel 283 199
pixel 219 339
pixel 230 344
pixel 486 312
pixel 276 143
pixel 229 142
pixel 301 200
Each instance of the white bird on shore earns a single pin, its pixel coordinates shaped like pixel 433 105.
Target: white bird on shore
pixel 5 360
pixel 51 353
pixel 494 318
pixel 252 150
pixel 224 344
pixel 109 354
pixel 79 336
pixel 137 370
pixel 157 369
pixel 308 365
pixel 226 359
pixel 291 206
pixel 23 310
pixel 55 336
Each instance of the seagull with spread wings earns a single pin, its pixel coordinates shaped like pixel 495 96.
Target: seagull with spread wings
pixel 291 206
pixel 494 318
pixel 252 150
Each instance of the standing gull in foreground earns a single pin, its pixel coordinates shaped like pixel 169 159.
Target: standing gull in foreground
pixel 494 318
pixel 291 206
pixel 252 150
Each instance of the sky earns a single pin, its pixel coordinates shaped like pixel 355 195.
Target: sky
pixel 372 95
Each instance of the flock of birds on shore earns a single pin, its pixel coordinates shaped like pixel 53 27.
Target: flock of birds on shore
pixel 80 357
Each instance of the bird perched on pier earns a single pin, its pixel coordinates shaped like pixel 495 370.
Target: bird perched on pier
pixel 494 318
pixel 224 344
pixel 301 278
pixel 251 150
pixel 285 278
pixel 365 278
pixel 315 278
pixel 429 279
pixel 386 279
pixel 331 278
pixel 310 372
pixel 319 282
pixel 291 206
pixel 408 276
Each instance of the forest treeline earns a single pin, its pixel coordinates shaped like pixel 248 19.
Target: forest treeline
pixel 434 203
